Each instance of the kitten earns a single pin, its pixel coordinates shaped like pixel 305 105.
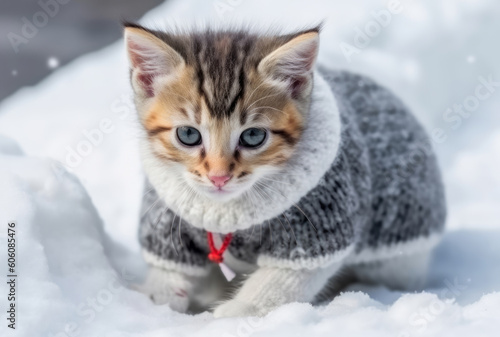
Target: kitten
pixel 310 172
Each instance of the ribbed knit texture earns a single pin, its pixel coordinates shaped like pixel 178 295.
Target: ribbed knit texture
pixel 383 188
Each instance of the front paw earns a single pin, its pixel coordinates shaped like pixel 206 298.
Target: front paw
pixel 176 298
pixel 237 308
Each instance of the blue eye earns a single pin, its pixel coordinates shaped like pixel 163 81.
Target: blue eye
pixel 252 137
pixel 188 136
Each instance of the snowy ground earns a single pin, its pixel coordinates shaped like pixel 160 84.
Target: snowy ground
pixel 77 247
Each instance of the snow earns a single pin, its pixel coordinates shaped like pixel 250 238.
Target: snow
pixel 53 62
pixel 71 179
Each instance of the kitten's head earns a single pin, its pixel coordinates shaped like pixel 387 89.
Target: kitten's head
pixel 223 110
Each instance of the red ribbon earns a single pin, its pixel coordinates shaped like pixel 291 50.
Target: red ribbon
pixel 215 254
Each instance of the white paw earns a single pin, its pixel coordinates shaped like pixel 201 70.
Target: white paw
pixel 236 308
pixel 176 298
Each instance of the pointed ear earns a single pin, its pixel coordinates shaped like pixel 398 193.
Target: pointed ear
pixel 150 59
pixel 292 62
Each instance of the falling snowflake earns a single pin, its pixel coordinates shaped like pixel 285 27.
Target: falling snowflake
pixel 52 62
pixel 471 59
pixel 14 72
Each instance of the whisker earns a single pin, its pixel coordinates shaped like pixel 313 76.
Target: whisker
pixel 253 230
pixel 260 99
pixel 171 231
pixel 295 205
pixel 152 188
pixel 172 93
pixel 283 226
pixel 270 231
pixel 258 190
pixel 180 237
pixel 245 102
pixel 289 224
pixel 180 219
pixel 172 234
pixel 271 189
pixel 250 195
pixel 155 226
pixel 305 216
pixel 280 220
pixel 267 107
pixel 260 114
pixel 150 208
pixel 186 193
pixel 276 181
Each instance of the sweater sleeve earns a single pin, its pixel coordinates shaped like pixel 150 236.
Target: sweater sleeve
pixel 167 241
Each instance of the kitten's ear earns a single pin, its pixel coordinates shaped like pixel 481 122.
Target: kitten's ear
pixel 292 62
pixel 150 59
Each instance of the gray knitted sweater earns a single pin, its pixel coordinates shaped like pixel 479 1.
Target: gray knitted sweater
pixel 381 195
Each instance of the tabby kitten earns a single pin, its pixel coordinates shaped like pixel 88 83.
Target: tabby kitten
pixel 296 168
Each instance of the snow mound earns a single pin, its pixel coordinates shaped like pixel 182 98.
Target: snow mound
pixel 74 284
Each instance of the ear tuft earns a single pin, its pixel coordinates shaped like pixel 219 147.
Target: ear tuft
pixel 150 58
pixel 293 62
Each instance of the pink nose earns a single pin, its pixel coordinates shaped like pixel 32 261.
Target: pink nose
pixel 219 181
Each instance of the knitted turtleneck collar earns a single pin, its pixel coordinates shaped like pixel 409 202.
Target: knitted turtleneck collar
pixel 314 155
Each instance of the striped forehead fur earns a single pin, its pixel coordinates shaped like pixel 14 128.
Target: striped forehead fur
pixel 223 59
